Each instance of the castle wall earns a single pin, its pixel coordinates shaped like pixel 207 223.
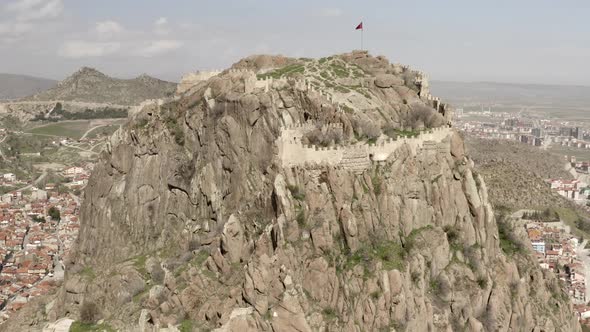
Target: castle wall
pixel 191 79
pixel 293 153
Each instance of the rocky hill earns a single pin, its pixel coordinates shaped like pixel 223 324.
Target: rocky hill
pixel 91 86
pixel 197 216
pixel 515 173
pixel 18 86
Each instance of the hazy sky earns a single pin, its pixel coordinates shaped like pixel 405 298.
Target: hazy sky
pixel 533 41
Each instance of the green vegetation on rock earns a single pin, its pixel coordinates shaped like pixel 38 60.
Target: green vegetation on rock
pixel 285 71
pixel 88 272
pixel 509 243
pixel 186 326
pixel 87 327
pixel 390 253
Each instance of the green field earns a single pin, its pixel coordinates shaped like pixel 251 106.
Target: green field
pixel 71 129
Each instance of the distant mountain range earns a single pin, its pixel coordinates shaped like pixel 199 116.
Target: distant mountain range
pixel 90 85
pixel 18 86
pixel 509 93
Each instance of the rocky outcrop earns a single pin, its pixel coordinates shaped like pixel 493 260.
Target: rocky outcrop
pixel 388 80
pixel 91 86
pixel 195 191
pixel 264 63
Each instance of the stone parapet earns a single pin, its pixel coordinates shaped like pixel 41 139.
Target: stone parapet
pixel 355 157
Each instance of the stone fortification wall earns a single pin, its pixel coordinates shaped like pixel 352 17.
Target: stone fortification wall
pixel 293 153
pixel 154 104
pixel 422 82
pixel 269 82
pixel 191 79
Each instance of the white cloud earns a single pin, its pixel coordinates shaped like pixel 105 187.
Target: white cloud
pixel 328 12
pixel 108 29
pixel 159 47
pixel 35 10
pixel 86 49
pixel 22 5
pixel 14 28
pixel 161 26
pixel 161 21
pixel 13 31
pixel 22 17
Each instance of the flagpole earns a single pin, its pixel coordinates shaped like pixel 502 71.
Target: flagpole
pixel 362 28
pixel 362 32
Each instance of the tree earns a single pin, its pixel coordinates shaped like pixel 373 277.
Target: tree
pixel 88 312
pixel 38 219
pixel 54 213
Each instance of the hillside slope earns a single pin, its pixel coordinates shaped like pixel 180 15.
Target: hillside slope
pixel 515 173
pixel 92 86
pixel 198 215
pixel 18 86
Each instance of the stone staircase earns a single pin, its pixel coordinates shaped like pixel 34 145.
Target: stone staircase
pixel 356 160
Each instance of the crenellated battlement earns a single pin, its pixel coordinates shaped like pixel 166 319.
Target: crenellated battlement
pixel 267 82
pixel 420 77
pixel 240 71
pixel 310 126
pixel 357 157
pixel 422 82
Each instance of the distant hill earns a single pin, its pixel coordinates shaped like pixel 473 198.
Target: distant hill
pixel 90 85
pixel 18 86
pixel 509 93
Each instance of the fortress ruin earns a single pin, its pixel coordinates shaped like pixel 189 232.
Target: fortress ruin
pixel 357 157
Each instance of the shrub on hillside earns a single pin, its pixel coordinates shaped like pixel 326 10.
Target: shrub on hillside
pixel 88 312
pixel 423 116
pixel 509 242
pixel 54 213
pixel 323 137
pixel 366 129
pixel 547 215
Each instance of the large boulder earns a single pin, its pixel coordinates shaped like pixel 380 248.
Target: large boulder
pixel 457 146
pixel 232 239
pixel 387 81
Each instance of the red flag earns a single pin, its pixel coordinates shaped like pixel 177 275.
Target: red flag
pixel 360 26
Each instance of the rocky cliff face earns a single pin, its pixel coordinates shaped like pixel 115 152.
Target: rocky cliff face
pixel 190 219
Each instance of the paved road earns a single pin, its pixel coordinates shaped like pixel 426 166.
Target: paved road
pixel 79 148
pixel 35 182
pixel 583 254
pixel 2 141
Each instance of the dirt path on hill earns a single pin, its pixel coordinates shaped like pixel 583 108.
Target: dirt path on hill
pixel 90 130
